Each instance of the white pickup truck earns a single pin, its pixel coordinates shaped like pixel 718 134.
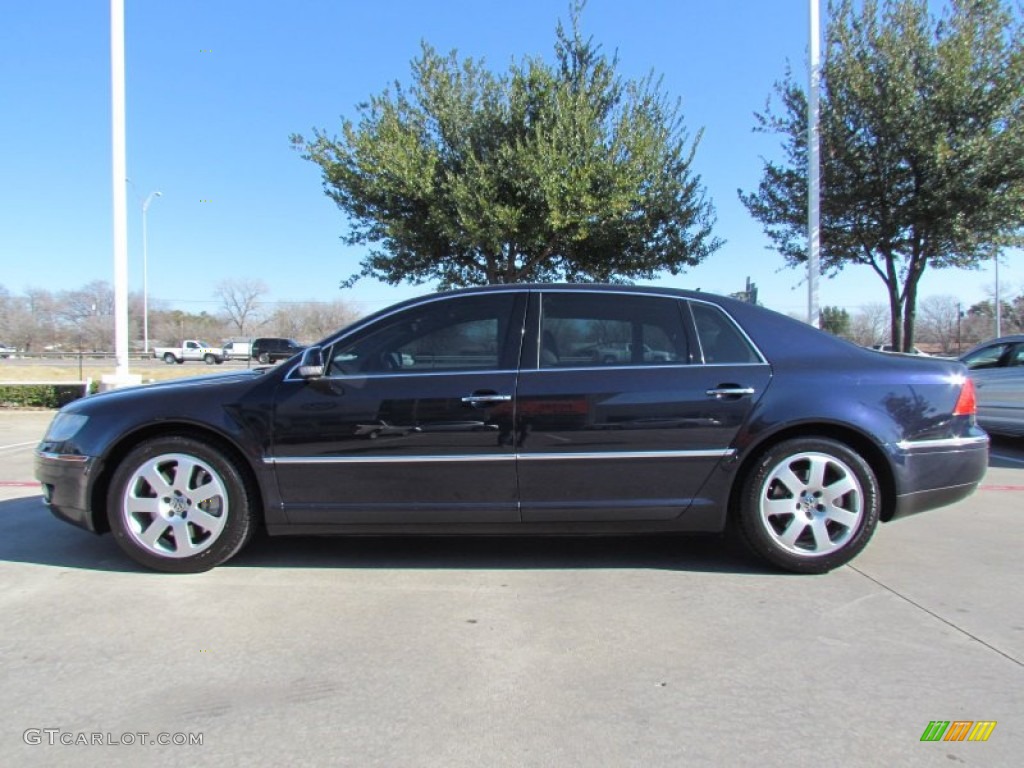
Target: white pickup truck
pixel 190 349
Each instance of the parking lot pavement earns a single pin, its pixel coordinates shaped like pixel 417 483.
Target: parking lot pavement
pixel 513 652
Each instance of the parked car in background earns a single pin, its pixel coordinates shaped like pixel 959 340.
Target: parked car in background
pixel 456 413
pixel 997 368
pixel 892 348
pixel 190 349
pixel 6 351
pixel 273 350
pixel 237 350
pixel 622 352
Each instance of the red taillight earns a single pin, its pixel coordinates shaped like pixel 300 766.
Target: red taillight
pixel 967 403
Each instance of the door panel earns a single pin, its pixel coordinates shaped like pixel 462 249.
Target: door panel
pixel 625 444
pixel 412 423
pixel 613 421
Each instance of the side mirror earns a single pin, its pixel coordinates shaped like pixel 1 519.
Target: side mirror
pixel 311 364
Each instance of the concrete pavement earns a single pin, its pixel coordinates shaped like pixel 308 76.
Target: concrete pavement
pixel 512 652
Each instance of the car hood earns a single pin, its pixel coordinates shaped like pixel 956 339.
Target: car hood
pixel 171 387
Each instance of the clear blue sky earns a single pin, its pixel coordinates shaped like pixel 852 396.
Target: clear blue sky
pixel 215 88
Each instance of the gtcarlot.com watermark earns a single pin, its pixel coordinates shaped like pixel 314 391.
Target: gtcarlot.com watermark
pixel 59 737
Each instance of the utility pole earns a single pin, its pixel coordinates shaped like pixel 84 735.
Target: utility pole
pixel 813 169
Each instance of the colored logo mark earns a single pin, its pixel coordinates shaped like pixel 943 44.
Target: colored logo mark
pixel 958 730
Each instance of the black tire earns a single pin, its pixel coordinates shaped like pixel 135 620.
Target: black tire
pixel 209 359
pixel 150 500
pixel 264 358
pixel 170 359
pixel 808 505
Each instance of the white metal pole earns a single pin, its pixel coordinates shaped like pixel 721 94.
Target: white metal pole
pixel 813 170
pixel 145 274
pixel 999 303
pixel 117 89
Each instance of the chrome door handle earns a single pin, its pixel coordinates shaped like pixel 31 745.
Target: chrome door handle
pixel 721 392
pixel 486 399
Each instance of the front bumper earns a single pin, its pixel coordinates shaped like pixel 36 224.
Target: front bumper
pixel 67 484
pixel 935 473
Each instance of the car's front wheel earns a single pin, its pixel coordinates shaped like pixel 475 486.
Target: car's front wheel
pixel 809 505
pixel 175 504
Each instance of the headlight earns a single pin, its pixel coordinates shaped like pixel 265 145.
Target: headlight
pixel 64 426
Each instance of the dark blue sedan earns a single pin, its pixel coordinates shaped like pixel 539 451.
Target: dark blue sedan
pixel 486 411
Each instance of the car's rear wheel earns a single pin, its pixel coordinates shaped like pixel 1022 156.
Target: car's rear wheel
pixel 175 504
pixel 264 358
pixel 809 505
pixel 209 359
pixel 170 359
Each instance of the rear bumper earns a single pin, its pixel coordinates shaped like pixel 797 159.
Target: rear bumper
pixel 66 480
pixel 935 473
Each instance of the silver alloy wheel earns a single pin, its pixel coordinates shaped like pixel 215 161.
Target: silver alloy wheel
pixel 811 504
pixel 175 505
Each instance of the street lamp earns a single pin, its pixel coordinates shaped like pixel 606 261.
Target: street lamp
pixel 145 274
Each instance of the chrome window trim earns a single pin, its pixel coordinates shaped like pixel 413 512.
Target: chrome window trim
pixel 498 457
pixel 360 325
pixel 332 340
pixel 686 299
pixel 393 374
pixel 736 325
pixel 644 367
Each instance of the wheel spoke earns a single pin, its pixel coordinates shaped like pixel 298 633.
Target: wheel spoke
pixel 777 507
pixel 182 538
pixel 793 532
pixel 208 490
pixel 793 483
pixel 206 521
pixel 151 474
pixel 822 541
pixel 835 492
pixel 183 475
pixel 816 477
pixel 144 504
pixel 842 516
pixel 152 534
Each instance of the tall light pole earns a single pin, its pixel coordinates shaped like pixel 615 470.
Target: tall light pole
pixel 119 204
pixel 145 274
pixel 813 168
pixel 999 303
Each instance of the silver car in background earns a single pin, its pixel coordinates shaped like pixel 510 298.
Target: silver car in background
pixel 997 368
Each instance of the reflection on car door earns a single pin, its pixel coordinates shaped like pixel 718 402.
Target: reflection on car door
pixel 412 422
pixel 627 436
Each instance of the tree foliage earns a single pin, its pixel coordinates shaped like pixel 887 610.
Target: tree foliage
pixel 922 136
pixel 544 172
pixel 835 320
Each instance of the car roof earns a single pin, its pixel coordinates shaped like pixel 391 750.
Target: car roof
pixel 776 335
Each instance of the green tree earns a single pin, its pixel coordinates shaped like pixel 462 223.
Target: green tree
pixel 922 135
pixel 835 320
pixel 545 172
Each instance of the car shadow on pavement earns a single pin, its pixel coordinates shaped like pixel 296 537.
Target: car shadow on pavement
pixel 714 554
pixel 29 533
